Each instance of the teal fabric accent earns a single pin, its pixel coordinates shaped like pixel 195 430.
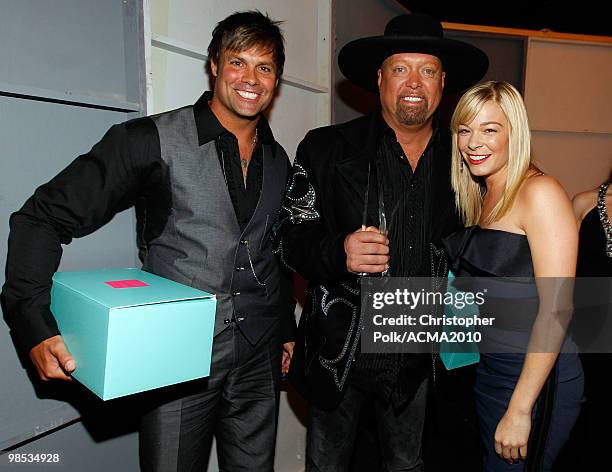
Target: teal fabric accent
pixel 469 351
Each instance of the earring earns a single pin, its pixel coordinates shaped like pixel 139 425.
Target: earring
pixel 461 166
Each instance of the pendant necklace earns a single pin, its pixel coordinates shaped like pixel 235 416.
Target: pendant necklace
pixel 244 162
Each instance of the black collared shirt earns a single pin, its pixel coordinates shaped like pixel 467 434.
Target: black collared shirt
pixel 244 199
pixel 407 200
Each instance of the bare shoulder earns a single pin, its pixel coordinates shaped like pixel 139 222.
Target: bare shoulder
pixel 544 204
pixel 542 190
pixel 584 202
pixel 548 220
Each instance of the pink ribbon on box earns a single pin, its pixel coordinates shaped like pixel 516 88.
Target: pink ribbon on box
pixel 126 283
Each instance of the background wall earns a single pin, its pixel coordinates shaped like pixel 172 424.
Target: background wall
pixel 568 93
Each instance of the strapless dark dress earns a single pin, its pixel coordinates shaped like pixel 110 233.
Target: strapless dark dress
pixel 490 254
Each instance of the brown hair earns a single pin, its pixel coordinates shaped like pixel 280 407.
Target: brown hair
pixel 244 30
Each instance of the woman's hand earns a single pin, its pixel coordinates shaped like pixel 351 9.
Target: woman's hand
pixel 511 436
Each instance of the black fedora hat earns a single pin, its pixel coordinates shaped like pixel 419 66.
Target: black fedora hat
pixel 463 63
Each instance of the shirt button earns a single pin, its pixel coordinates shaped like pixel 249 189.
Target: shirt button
pixel 243 242
pixel 227 321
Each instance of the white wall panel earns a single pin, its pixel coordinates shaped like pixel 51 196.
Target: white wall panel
pixel 293 113
pixel 176 80
pixel 580 161
pixel 567 85
pixel 568 98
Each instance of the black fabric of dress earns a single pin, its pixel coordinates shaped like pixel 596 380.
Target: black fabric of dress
pixel 587 448
pixel 592 259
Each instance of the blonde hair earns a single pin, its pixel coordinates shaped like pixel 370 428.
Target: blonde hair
pixel 469 190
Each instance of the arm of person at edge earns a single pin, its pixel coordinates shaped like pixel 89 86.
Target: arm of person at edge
pixel 584 202
pixel 76 202
pixel 550 225
pixel 308 244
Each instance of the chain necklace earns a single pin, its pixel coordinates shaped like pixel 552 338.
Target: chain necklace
pixel 603 216
pixel 244 162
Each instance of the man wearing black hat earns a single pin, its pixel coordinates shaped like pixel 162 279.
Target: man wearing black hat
pixel 330 231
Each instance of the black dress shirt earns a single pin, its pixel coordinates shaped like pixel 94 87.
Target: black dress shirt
pixel 407 201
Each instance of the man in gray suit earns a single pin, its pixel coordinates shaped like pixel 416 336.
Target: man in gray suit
pixel 207 182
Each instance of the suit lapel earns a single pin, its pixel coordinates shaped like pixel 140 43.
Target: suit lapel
pixel 352 165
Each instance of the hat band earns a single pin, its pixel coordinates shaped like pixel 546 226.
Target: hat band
pixel 413 38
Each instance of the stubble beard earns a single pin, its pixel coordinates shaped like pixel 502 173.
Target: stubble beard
pixel 410 114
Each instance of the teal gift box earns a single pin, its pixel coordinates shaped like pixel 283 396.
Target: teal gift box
pixel 131 331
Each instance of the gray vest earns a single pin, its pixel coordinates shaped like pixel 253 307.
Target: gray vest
pixel 201 244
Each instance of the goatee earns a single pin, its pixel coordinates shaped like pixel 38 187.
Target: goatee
pixel 410 114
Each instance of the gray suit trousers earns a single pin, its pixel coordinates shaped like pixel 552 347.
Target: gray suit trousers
pixel 238 404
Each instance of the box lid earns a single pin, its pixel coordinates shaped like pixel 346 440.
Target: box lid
pixel 123 288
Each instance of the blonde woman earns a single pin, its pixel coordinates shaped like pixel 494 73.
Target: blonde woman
pixel 519 223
